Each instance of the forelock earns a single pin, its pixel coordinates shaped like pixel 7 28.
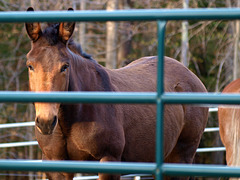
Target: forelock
pixel 51 34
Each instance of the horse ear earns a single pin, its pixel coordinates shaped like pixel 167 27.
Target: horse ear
pixel 66 29
pixel 33 29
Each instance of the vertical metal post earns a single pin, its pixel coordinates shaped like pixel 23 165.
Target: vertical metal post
pixel 160 106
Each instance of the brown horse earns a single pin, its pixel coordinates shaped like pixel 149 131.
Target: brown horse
pixel 107 132
pixel 229 125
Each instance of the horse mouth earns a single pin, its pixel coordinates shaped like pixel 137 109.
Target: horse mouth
pixel 44 132
pixel 39 129
pixel 46 129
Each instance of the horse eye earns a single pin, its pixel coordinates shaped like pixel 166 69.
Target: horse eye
pixel 64 67
pixel 30 68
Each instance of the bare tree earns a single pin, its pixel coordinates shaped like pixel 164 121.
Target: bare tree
pixel 82 27
pixel 124 37
pixel 236 48
pixel 111 38
pixel 184 52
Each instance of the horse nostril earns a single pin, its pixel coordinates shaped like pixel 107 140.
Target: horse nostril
pixel 37 121
pixel 54 122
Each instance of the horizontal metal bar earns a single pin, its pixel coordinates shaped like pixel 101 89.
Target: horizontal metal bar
pixel 119 97
pixel 78 166
pixel 18 144
pixel 213 109
pixel 200 170
pixel 85 178
pixel 212 129
pixel 120 167
pixel 13 125
pixel 200 98
pixel 32 123
pixel 33 143
pixel 78 97
pixel 122 15
pixel 212 149
pixel 128 176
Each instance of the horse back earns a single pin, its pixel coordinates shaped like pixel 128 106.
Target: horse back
pixel 233 87
pixel 141 75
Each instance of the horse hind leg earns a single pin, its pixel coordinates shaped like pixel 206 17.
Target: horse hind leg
pixel 182 153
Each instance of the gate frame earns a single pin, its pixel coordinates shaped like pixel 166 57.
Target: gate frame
pixel 159 97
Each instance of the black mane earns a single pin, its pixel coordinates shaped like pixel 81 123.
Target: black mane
pixel 76 48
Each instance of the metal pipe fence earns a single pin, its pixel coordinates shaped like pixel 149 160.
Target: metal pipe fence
pixel 159 169
pixel 33 143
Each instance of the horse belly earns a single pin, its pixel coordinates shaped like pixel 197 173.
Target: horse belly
pixel 139 128
pixel 140 133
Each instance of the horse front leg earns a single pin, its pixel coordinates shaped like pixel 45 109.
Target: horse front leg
pixel 54 149
pixel 57 175
pixel 108 176
pixel 103 176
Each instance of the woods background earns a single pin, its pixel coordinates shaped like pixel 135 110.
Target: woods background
pixel 209 48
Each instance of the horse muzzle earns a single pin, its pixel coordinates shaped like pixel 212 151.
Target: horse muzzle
pixel 46 127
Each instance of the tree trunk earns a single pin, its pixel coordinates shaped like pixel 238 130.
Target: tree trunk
pixel 81 27
pixel 111 39
pixel 124 40
pixel 184 52
pixel 236 49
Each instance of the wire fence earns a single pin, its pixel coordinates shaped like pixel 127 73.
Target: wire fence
pixel 33 143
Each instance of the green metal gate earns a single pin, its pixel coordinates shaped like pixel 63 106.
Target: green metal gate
pixel 161 16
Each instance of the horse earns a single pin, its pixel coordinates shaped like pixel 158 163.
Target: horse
pixel 229 124
pixel 107 132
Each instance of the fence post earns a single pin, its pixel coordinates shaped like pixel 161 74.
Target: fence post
pixel 160 106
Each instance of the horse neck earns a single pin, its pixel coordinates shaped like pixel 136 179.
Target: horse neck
pixel 87 75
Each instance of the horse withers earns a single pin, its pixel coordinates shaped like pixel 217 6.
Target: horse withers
pixel 107 132
pixel 229 125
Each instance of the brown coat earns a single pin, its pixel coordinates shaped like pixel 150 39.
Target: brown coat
pixel 107 132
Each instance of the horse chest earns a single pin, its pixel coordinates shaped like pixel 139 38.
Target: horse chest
pixel 83 143
pixel 92 140
pixel 76 152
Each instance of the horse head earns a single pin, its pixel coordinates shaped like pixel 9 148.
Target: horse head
pixel 48 67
